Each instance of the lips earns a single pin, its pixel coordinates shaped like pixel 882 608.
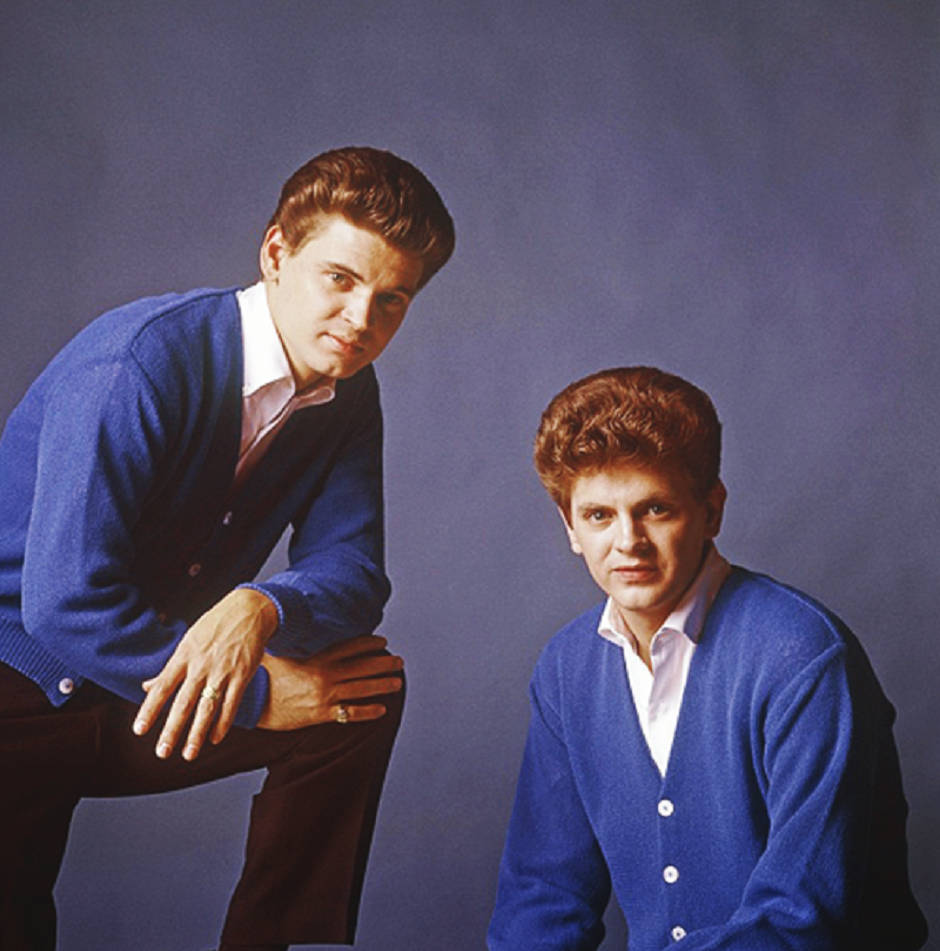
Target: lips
pixel 635 572
pixel 344 346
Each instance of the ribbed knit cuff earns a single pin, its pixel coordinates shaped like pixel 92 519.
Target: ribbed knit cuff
pixel 297 635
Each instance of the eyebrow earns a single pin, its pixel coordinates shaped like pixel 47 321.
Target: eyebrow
pixel 336 266
pixel 653 498
pixel 591 507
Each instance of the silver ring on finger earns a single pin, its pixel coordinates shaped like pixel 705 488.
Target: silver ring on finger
pixel 342 713
pixel 211 694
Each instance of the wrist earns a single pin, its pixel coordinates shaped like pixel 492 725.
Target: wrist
pixel 260 607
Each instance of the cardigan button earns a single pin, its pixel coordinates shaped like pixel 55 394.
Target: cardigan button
pixel 670 874
pixel 227 518
pixel 66 685
pixel 665 808
pixel 194 569
pixel 678 933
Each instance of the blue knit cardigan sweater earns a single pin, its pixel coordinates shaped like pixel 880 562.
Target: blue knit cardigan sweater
pixel 119 523
pixel 779 823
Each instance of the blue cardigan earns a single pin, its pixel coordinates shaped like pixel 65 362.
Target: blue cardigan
pixel 119 524
pixel 779 823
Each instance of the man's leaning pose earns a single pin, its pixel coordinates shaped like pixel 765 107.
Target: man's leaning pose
pixel 144 478
pixel 709 742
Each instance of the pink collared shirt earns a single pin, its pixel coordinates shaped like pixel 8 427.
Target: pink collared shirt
pixel 657 694
pixel 269 395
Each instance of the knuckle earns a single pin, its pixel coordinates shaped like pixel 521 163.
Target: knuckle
pixel 199 667
pixel 158 688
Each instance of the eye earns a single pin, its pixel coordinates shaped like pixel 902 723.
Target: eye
pixel 596 516
pixel 338 279
pixel 392 301
pixel 657 508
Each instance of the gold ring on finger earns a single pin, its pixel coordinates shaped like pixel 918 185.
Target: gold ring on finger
pixel 209 693
pixel 342 714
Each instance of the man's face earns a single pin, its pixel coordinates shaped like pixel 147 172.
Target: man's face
pixel 642 532
pixel 338 299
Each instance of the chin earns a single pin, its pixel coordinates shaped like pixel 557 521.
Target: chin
pixel 647 603
pixel 345 365
pixel 345 372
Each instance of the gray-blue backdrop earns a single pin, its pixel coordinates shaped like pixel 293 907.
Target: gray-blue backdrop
pixel 742 192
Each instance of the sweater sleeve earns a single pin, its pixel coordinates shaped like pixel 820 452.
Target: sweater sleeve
pixel 553 881
pixel 335 586
pixel 103 432
pixel 830 768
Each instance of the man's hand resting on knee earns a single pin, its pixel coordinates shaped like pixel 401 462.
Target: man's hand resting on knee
pixel 319 689
pixel 208 672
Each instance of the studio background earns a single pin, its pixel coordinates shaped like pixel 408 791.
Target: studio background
pixel 745 193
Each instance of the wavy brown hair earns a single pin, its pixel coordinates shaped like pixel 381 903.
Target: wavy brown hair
pixel 373 189
pixel 628 413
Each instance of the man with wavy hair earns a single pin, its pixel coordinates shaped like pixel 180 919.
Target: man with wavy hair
pixel 709 743
pixel 147 474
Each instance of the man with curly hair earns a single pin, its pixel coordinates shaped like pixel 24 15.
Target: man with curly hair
pixel 709 743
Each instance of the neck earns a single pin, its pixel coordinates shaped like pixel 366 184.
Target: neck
pixel 301 387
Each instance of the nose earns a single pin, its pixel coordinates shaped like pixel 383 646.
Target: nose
pixel 357 310
pixel 629 534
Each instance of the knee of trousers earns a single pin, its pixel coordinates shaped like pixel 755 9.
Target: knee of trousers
pixel 360 746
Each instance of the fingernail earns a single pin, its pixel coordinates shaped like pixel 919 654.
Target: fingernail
pixel 140 726
pixel 163 750
pixel 190 752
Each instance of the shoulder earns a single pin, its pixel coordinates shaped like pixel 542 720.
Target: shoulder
pixel 776 637
pixel 202 325
pixel 156 332
pixel 148 346
pixel 574 653
pixel 171 345
pixel 761 610
pixel 573 638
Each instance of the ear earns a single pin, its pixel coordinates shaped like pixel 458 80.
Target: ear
pixel 715 508
pixel 273 251
pixel 572 539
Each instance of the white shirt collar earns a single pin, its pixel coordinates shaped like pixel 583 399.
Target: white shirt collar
pixel 688 616
pixel 265 361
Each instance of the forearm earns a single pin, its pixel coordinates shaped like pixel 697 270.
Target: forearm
pixel 335 587
pixel 831 874
pixel 330 595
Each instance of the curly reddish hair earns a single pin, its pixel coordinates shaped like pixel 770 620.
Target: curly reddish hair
pixel 628 413
pixel 373 189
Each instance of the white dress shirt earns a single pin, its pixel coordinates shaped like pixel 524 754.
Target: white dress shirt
pixel 657 694
pixel 269 394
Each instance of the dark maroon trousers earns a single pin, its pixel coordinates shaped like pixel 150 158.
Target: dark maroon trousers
pixel 311 823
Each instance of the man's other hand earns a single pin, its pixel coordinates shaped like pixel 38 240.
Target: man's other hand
pixel 209 671
pixel 318 689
